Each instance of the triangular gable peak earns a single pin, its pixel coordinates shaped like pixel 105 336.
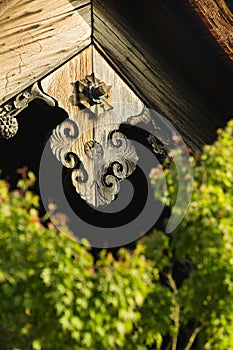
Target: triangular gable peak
pixel 155 47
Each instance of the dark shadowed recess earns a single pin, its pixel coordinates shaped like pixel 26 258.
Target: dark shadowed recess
pixel 229 4
pixel 25 149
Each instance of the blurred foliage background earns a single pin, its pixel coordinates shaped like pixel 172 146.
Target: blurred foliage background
pixel 173 291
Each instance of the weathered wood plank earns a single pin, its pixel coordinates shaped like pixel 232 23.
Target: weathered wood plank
pixel 152 84
pixel 122 97
pixel 59 84
pixel 38 36
pixel 157 50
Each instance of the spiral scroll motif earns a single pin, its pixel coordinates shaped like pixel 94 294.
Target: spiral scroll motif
pixel 61 141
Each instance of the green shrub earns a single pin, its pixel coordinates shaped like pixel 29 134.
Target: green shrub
pixel 202 246
pixel 175 291
pixel 52 294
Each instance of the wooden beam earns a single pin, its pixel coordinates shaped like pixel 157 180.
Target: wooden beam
pixel 157 50
pixel 218 18
pixel 38 36
pixel 146 75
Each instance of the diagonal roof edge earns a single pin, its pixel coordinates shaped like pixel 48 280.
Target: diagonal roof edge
pixel 38 37
pixel 167 58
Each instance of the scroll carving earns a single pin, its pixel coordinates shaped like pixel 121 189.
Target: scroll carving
pixel 98 170
pixel 61 141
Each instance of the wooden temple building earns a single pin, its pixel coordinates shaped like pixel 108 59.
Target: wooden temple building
pixel 173 56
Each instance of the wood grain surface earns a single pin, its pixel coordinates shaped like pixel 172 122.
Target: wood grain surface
pixel 167 58
pixel 36 37
pixel 219 19
pixel 59 84
pixel 123 98
pixel 161 50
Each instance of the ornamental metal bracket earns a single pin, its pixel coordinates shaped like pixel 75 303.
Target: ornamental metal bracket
pixel 92 91
pixel 9 111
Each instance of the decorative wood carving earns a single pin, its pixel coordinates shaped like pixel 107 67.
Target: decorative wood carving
pixel 9 111
pixel 89 142
pixel 142 117
pixel 101 164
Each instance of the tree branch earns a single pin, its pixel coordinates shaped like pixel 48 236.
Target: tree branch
pixel 176 310
pixel 192 338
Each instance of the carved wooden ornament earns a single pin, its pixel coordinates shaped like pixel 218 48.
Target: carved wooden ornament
pixel 9 111
pixel 100 156
pixel 89 141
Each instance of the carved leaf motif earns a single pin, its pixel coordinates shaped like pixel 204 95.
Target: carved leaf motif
pixel 61 141
pixel 100 156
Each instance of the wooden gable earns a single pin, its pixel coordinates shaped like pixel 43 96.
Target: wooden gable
pixel 162 50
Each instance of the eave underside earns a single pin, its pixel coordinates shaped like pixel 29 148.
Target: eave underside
pixel 171 60
pixel 162 50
